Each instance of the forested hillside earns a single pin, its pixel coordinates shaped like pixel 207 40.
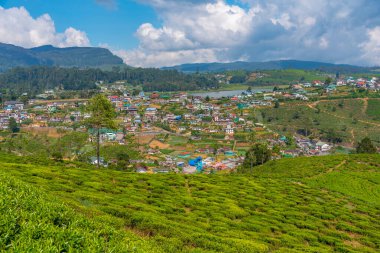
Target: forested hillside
pixel 37 79
pixel 13 56
pixel 319 204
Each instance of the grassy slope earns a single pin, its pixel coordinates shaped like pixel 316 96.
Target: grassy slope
pixel 347 117
pixel 373 109
pixel 309 204
pixel 289 76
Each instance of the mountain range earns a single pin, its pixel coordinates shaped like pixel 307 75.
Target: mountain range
pixel 15 56
pixel 94 57
pixel 268 65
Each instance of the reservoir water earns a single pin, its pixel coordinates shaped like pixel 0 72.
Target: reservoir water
pixel 230 93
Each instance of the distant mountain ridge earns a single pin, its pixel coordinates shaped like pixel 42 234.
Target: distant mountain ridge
pixel 269 65
pixel 15 56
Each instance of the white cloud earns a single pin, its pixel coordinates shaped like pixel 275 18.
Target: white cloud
pixel 193 31
pixel 18 27
pixel 284 21
pixel 142 58
pixel 214 30
pixel 163 38
pixel 323 43
pixel 324 30
pixel 73 37
pixel 310 21
pixel 371 48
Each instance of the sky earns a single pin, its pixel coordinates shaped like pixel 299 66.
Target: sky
pixel 156 33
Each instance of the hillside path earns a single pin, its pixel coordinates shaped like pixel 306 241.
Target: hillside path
pixel 330 169
pixel 314 104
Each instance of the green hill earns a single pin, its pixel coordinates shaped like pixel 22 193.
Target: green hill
pixel 335 120
pixel 13 56
pixel 269 65
pixel 320 204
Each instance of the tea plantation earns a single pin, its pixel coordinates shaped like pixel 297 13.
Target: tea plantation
pixel 319 204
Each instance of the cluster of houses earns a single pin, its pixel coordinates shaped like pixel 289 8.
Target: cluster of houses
pixel 142 112
pixel 312 147
pixel 363 83
pixel 181 114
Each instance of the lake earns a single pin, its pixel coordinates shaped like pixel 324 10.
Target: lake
pixel 229 93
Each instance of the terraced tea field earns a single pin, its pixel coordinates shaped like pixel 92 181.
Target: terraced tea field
pixel 320 204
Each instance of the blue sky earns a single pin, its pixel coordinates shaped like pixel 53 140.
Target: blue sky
pixel 113 25
pixel 169 32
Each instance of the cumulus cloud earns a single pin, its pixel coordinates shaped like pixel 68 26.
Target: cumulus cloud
pixel 284 21
pixel 142 58
pixel 164 38
pixel 18 27
pixel 341 31
pixel 371 47
pixel 193 31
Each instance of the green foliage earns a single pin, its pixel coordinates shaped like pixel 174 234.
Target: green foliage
pixel 69 145
pixel 366 146
pixel 290 205
pixel 102 113
pixel 35 80
pixel 322 123
pixel 51 56
pixel 57 156
pixel 102 116
pixel 32 221
pixel 164 126
pixel 373 109
pixel 328 81
pixel 257 155
pixel 13 126
pixel 282 77
pixel 238 78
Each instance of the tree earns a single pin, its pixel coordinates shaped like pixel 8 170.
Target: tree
pixel 238 79
pixel 276 149
pixel 328 80
pixel 276 104
pixel 57 156
pixel 257 155
pixel 289 140
pixel 251 137
pixel 122 160
pixel 307 125
pixel 215 147
pixel 249 161
pixel 262 153
pixel 12 125
pixel 24 99
pixel 333 136
pixel 366 147
pixel 102 116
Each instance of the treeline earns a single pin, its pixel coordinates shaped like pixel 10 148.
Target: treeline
pixel 35 80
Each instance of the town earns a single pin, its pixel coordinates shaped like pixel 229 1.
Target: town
pixel 184 132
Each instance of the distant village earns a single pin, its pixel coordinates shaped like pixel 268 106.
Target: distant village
pixel 157 119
